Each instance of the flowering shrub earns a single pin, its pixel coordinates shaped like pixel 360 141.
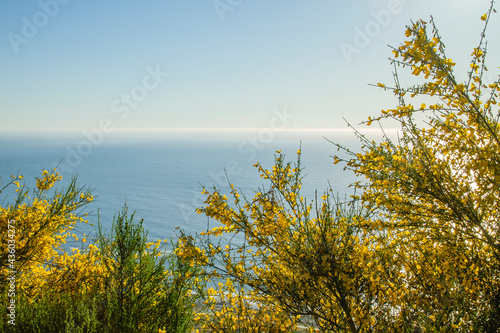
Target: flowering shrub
pixel 417 246
pixel 42 224
pixel 118 282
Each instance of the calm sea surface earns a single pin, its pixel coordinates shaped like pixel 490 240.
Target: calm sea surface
pixel 161 177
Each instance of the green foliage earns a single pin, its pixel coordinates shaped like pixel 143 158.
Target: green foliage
pixel 118 283
pixel 145 289
pixel 133 274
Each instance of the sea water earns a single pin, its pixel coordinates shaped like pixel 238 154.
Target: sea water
pixel 160 177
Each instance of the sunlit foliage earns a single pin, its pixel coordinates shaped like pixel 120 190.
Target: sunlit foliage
pixel 43 220
pixel 417 246
pixel 437 187
pixel 117 282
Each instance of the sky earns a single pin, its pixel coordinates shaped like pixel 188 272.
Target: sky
pixel 156 65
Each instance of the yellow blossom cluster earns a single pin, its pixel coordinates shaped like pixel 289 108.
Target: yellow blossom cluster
pixel 230 308
pixel 42 224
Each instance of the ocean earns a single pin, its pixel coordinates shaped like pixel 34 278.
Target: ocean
pixel 160 176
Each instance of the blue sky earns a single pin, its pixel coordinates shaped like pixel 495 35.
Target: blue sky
pixel 164 64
